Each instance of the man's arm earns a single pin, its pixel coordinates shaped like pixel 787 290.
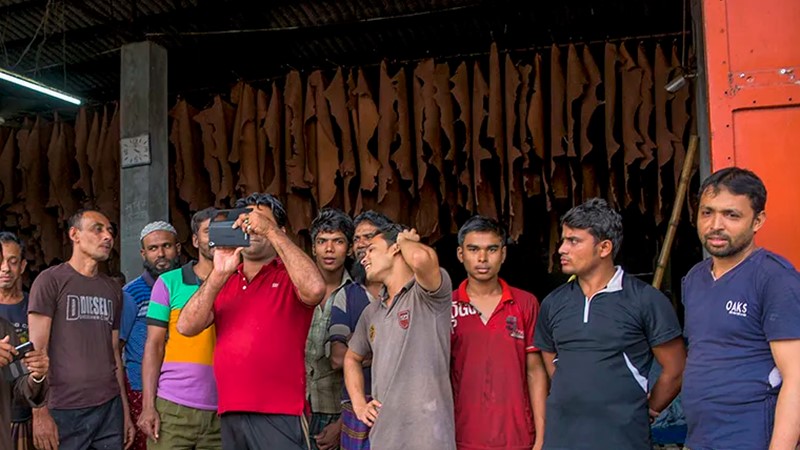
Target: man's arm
pixel 45 432
pixel 786 431
pixel 126 412
pixel 549 363
pixel 538 387
pixel 422 259
pixel 303 272
pixel 338 350
pixel 671 355
pixel 149 421
pixel 354 382
pixel 198 313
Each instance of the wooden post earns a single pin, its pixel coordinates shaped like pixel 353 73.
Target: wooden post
pixel 677 209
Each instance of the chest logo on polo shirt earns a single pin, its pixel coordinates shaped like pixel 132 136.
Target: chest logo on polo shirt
pixel 372 333
pixel 404 318
pixel 460 309
pixel 736 308
pixel 513 329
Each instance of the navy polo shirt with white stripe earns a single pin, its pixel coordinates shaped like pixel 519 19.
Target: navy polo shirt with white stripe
pixel 731 383
pixel 598 397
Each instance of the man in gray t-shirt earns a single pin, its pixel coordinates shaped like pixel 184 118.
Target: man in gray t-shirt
pixel 408 335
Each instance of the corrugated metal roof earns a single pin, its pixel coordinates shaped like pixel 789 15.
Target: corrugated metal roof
pixel 86 34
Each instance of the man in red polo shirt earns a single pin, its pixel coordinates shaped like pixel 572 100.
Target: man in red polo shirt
pixel 262 311
pixel 499 380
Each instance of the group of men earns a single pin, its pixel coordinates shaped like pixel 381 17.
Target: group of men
pixel 367 344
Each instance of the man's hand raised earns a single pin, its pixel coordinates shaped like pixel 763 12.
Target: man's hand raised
pixel 226 259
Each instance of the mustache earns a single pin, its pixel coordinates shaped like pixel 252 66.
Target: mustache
pixel 716 236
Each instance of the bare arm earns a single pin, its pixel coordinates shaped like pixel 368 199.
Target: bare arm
pixel 786 431
pixel 149 421
pixel 39 329
pixel 354 378
pixel 45 432
pixel 123 394
pixel 151 364
pixel 422 259
pixel 549 364
pixel 671 356
pixel 302 270
pixel 538 387
pixel 338 350
pixel 198 313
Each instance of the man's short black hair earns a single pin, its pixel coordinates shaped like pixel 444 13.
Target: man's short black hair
pixel 602 222
pixel 374 217
pixel 481 223
pixel 389 232
pixel 201 216
pixel 330 220
pixel 739 182
pixel 267 200
pixel 75 219
pixel 7 237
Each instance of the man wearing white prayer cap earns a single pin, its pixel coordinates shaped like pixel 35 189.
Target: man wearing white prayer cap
pixel 160 254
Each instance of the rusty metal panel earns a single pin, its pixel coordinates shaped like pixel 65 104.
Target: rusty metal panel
pixel 753 72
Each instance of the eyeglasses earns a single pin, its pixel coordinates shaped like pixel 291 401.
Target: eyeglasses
pixel 364 237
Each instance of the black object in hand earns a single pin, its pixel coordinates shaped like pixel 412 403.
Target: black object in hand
pixel 221 233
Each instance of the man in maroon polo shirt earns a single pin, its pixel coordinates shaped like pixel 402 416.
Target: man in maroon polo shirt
pixel 261 310
pixel 499 380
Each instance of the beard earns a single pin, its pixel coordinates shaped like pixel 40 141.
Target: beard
pixel 733 248
pixel 206 253
pixel 153 270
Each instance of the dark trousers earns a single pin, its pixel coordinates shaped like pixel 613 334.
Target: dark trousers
pixel 246 431
pixel 98 428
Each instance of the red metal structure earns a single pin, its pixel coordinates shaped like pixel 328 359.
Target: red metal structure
pixel 753 68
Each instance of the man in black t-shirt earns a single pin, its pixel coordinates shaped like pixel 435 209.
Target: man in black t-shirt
pixel 14 308
pixel 599 334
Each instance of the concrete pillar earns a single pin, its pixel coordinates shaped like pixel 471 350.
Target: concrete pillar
pixel 144 145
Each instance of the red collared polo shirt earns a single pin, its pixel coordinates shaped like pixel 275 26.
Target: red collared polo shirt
pixel 488 371
pixel 259 359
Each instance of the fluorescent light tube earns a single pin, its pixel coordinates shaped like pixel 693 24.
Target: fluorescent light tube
pixel 18 80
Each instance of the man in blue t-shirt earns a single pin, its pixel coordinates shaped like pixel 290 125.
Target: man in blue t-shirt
pixel 741 388
pixel 14 308
pixel 160 254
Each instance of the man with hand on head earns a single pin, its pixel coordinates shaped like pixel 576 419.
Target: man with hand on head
pixel 346 311
pixel 160 254
pixel 73 316
pixel 598 334
pixel 261 309
pixel 408 334
pixel 499 381
pixel 180 394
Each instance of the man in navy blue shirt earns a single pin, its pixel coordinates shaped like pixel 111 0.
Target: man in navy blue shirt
pixel 742 381
pixel 598 335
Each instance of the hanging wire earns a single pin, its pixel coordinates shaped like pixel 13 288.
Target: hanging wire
pixel 44 37
pixel 64 41
pixel 3 38
pixel 683 39
pixel 36 34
